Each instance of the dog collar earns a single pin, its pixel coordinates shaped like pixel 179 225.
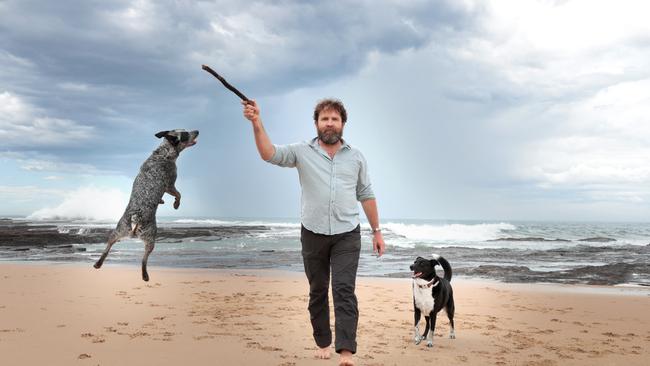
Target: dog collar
pixel 429 284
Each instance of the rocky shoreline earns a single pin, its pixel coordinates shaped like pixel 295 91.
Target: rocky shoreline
pixel 21 235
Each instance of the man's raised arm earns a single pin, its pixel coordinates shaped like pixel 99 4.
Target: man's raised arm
pixel 262 140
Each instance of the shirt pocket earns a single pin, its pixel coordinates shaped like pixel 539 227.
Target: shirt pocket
pixel 347 175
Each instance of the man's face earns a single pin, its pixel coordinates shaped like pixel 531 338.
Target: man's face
pixel 329 126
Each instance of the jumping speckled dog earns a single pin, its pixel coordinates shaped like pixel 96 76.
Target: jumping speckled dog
pixel 431 294
pixel 157 176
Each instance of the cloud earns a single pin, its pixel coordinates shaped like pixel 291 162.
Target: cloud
pixel 558 50
pixel 33 162
pixel 600 145
pixel 269 46
pixel 22 194
pixel 302 42
pixel 22 124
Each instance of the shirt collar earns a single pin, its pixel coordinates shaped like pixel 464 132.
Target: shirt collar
pixel 314 143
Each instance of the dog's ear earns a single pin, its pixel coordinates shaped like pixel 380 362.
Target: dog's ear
pixel 161 134
pixel 434 262
pixel 173 139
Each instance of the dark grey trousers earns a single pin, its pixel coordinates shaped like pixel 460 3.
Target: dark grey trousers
pixel 340 252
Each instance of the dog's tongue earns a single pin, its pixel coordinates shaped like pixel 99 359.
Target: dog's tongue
pixel 417 275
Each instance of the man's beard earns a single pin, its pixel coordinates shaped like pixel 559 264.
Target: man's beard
pixel 330 136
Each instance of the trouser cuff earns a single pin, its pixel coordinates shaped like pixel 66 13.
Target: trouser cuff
pixel 346 345
pixel 323 342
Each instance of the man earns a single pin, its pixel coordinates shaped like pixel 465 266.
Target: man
pixel 333 177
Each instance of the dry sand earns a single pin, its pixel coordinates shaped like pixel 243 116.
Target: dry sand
pixel 76 315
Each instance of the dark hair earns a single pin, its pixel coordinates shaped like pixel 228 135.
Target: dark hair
pixel 333 104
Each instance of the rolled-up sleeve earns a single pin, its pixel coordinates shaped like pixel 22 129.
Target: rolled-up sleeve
pixel 284 156
pixel 364 187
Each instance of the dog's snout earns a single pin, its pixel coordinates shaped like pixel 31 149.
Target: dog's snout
pixel 411 267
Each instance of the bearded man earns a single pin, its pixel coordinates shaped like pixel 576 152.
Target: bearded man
pixel 333 177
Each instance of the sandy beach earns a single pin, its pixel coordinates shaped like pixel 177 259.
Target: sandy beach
pixel 73 314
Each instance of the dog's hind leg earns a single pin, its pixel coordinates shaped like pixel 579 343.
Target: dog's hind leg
pixel 112 239
pixel 450 314
pixel 417 315
pixel 432 329
pixel 149 244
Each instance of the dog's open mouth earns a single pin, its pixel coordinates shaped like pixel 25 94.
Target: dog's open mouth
pixel 417 274
pixel 191 143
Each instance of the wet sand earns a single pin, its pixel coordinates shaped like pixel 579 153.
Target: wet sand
pixel 75 315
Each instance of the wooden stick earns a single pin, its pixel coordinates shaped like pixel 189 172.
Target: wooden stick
pixel 225 83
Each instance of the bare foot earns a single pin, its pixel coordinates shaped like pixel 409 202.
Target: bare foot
pixel 323 353
pixel 346 358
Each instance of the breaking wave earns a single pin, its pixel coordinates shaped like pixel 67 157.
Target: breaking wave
pixel 87 204
pixel 449 232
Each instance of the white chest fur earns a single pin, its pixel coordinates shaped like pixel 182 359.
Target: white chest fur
pixel 422 296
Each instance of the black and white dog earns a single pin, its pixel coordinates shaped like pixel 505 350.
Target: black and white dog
pixel 430 295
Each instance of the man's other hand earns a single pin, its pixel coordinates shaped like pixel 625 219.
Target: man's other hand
pixel 378 245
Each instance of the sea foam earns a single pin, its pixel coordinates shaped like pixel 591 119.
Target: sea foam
pixel 88 204
pixel 449 232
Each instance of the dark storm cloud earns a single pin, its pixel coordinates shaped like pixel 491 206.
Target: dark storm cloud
pixel 121 69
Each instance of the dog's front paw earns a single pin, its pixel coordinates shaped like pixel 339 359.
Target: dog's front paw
pixel 418 339
pixel 452 335
pixel 176 204
pixel 430 344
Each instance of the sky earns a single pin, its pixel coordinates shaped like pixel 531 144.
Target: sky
pixel 464 110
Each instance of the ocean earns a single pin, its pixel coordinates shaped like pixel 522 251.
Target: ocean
pixel 556 252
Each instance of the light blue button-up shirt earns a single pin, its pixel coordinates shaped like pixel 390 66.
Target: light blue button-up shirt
pixel 331 187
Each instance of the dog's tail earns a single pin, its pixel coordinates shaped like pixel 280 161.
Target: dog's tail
pixel 444 264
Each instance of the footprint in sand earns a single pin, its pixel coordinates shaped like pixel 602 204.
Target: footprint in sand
pixel 123 294
pixel 165 336
pixel 138 334
pixel 545 331
pixel 610 334
pixel 83 356
pixel 199 338
pixel 15 330
pixel 94 338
